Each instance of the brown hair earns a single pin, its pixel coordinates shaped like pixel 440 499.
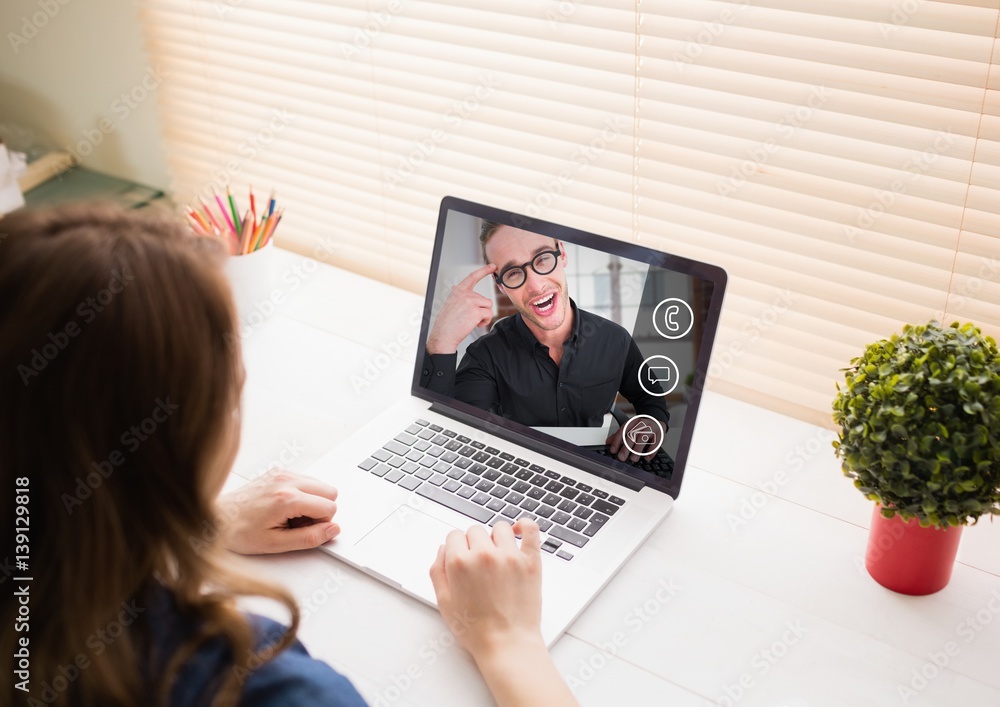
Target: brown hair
pixel 119 387
pixel 486 231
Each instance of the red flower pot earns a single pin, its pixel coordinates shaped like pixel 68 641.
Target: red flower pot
pixel 909 559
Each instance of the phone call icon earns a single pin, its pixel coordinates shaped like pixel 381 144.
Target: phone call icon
pixel 673 318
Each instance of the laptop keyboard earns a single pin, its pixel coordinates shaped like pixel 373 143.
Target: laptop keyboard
pixel 488 485
pixel 660 464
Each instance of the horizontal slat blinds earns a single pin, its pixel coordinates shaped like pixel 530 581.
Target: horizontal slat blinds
pixel 840 160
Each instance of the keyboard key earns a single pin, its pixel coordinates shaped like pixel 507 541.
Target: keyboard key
pixel 582 512
pixel 492 450
pixel 551 499
pixel 436 428
pixel 551 474
pixel 481 498
pixel 554 487
pixel 608 509
pixel 396 448
pixel 567 506
pixel 506 457
pixel 536 493
pixel 524 474
pixel 554 542
pixel 455 503
pixel 434 451
pixel 449 433
pixel 509 468
pixel 423 473
pixel 404 438
pixel 422 422
pixel 568 535
pixel 548 548
pixel 537 469
pixel 560 517
pixel 521 487
pixel 521 462
pixel 496 504
pixel 426 434
pixel 393 476
pixel 478 468
pixel 617 501
pixel 485 485
pixel 463 463
pixel 382 455
pixel 466 451
pixel 568 480
pixel 491 474
pixel 414 455
pixel 514 497
pixel 498 491
pixel 569 493
pixel 440 440
pixel 564 555
pixel 367 464
pixel 409 482
pixel 466 492
pixel 538 480
pixel 428 461
pixel 585 499
pixel 470 479
pixel 510 511
pixel 529 516
pixel 584 488
pixel 599 519
pixel 380 470
pixel 477 445
pixel 463 439
pixel 409 467
pixel 396 462
pixel 576 524
pixel 455 473
pixel 414 429
pixel 481 457
pixel 441 468
pixel 545 511
pixel 453 486
pixel 506 480
pixel 449 457
pixel 529 504
pixel 592 528
pixel 495 463
pixel 544 524
pixel 452 446
pixel 600 494
pixel 437 479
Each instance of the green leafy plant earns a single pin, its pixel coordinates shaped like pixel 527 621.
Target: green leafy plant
pixel 920 424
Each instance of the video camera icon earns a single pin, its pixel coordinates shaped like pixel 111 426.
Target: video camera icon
pixel 658 375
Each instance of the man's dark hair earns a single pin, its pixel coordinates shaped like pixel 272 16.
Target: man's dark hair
pixel 486 232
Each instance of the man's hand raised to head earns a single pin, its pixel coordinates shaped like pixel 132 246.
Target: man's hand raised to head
pixel 463 311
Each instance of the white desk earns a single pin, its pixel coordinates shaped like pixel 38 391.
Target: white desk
pixel 779 602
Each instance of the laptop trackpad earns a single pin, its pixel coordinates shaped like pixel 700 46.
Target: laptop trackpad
pixel 403 547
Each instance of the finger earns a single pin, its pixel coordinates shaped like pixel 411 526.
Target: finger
pixel 304 504
pixel 475 276
pixel 503 536
pixel 438 577
pixel 306 537
pixel 530 538
pixel 314 486
pixel 478 539
pixel 455 543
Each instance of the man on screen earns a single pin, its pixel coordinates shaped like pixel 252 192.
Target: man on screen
pixel 551 364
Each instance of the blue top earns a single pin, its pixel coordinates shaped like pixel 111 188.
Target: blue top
pixel 290 679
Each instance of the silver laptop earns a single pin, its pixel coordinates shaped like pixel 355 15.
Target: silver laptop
pixel 526 380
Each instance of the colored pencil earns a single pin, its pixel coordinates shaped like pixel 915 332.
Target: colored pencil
pixel 270 207
pixel 232 205
pixel 208 212
pixel 253 205
pixel 225 214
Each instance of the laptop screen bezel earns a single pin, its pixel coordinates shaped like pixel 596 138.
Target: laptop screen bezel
pixel 612 470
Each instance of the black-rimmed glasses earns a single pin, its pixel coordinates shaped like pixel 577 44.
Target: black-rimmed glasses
pixel 513 276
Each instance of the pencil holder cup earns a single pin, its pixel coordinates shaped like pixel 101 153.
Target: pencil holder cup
pixel 253 278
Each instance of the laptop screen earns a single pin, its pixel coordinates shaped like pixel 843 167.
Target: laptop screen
pixel 590 350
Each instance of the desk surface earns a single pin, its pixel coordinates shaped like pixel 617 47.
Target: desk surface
pixel 752 592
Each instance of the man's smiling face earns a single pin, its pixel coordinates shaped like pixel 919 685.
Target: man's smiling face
pixel 542 300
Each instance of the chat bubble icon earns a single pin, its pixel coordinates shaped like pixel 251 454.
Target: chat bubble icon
pixel 659 374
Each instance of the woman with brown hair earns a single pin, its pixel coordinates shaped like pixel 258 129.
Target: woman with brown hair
pixel 120 416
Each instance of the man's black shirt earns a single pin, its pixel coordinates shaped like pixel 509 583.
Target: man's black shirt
pixel 509 373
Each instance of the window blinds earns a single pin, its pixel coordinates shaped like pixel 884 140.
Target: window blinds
pixel 840 160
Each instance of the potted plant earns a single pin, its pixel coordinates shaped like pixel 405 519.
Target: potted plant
pixel 919 417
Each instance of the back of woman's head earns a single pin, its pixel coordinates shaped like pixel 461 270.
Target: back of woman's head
pixel 120 377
